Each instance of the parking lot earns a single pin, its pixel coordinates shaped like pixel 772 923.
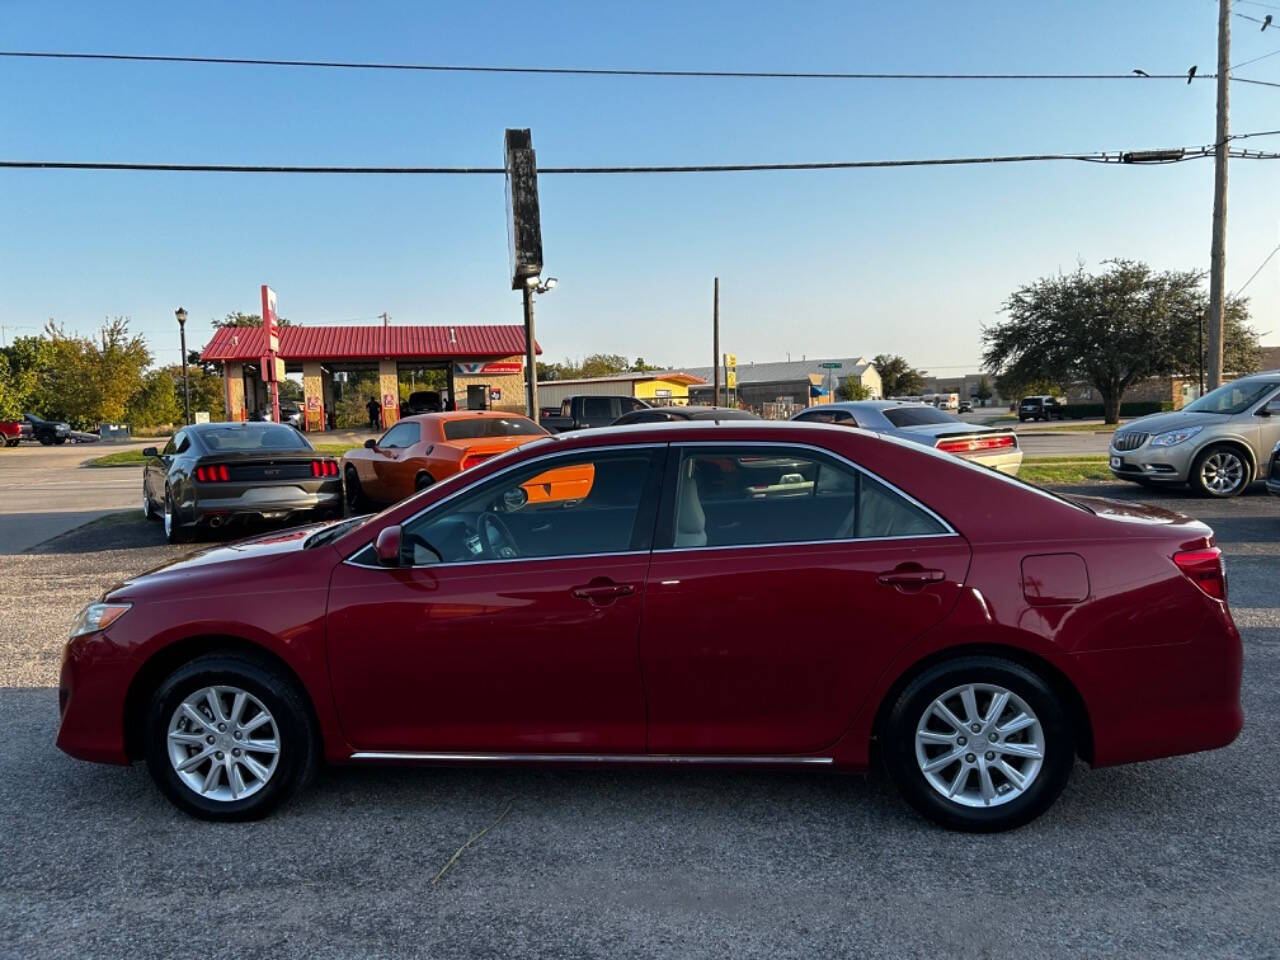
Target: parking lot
pixel 1170 858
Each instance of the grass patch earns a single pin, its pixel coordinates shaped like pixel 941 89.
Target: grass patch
pixel 336 449
pixel 1064 473
pixel 1058 427
pixel 121 458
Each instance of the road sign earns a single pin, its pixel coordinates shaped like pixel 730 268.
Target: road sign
pixel 524 228
pixel 731 361
pixel 832 366
pixel 731 379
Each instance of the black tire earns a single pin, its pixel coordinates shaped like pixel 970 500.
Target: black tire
pixel 59 440
pixel 12 443
pixel 174 531
pixel 1220 453
pixel 357 502
pixel 45 439
pixel 1022 419
pixel 422 481
pixel 299 742
pixel 899 744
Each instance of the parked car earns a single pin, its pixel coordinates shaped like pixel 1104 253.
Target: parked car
pixel 966 406
pixel 419 451
pixel 675 414
pixel 48 432
pixel 994 447
pixel 212 474
pixel 11 432
pixel 580 412
pixel 777 595
pixel 1273 475
pixel 1040 408
pixel 1219 444
pixel 422 401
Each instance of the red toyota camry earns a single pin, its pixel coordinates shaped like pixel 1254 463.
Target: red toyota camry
pixel 742 594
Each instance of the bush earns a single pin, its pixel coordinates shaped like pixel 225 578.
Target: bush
pixel 1137 408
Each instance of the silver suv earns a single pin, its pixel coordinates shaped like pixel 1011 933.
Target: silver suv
pixel 1219 444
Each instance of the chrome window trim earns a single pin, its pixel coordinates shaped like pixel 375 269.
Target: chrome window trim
pixel 673 758
pixel 551 455
pixel 791 444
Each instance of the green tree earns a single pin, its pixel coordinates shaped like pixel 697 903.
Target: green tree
pixel 851 388
pixel 91 379
pixel 1110 329
pixel 983 392
pixel 156 403
pixel 604 365
pixel 897 377
pixel 22 365
pixel 642 366
pixel 238 319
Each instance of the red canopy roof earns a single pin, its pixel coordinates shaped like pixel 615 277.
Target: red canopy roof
pixel 369 342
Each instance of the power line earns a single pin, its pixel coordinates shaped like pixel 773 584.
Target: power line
pixel 1255 60
pixel 576 71
pixel 1256 272
pixel 1175 155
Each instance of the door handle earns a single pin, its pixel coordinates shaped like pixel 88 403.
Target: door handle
pixel 603 590
pixel 916 577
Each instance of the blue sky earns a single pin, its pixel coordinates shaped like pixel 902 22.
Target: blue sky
pixel 832 263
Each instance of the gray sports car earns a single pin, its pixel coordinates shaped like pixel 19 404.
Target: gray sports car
pixel 994 447
pixel 211 474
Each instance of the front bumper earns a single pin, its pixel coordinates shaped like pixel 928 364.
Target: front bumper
pixel 1160 464
pixel 91 692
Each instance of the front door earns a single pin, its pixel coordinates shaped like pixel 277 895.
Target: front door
pixel 783 583
pixel 515 627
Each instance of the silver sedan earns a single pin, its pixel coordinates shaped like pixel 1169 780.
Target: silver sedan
pixel 993 447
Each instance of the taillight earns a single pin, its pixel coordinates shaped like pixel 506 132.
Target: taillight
pixel 969 445
pixel 216 474
pixel 1205 569
pixel 324 468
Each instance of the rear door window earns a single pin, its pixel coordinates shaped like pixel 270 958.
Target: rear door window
pixel 727 497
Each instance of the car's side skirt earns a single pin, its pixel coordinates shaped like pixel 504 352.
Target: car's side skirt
pixel 660 758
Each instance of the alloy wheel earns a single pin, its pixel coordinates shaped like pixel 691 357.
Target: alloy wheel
pixel 1222 472
pixel 223 743
pixel 979 745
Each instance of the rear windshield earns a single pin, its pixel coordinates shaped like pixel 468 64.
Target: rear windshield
pixel 491 427
pixel 253 436
pixel 915 416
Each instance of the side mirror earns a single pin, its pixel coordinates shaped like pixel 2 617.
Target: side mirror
pixel 1263 412
pixel 370 443
pixel 387 546
pixel 150 452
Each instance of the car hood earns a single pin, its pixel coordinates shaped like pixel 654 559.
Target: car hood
pixel 230 559
pixel 1178 420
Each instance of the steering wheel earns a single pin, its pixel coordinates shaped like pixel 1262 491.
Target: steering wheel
pixel 496 538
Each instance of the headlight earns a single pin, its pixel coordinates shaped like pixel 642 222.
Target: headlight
pixel 1172 438
pixel 98 616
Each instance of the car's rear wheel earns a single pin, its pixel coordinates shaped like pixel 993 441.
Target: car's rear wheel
pixel 148 509
pixel 356 500
pixel 1220 471
pixel 422 481
pixel 174 532
pixel 229 737
pixel 45 439
pixel 979 744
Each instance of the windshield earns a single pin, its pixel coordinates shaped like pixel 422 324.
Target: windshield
pixel 1232 397
pixel 253 437
pixel 916 416
pixel 491 427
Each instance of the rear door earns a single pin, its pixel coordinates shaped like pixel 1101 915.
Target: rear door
pixel 783 582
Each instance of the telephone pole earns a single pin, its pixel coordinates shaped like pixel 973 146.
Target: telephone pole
pixel 1218 249
pixel 715 342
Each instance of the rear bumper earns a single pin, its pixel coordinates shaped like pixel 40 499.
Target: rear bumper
pixel 1009 463
pixel 1183 698
pixel 269 503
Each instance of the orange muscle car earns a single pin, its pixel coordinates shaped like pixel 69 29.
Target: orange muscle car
pixel 417 451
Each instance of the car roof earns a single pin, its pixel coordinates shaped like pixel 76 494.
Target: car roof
pixel 703 413
pixel 870 405
pixel 448 415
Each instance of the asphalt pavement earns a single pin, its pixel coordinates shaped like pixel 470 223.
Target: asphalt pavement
pixel 1173 858
pixel 45 493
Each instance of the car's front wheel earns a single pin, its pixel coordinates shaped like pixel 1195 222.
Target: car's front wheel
pixel 979 744
pixel 229 737
pixel 1220 471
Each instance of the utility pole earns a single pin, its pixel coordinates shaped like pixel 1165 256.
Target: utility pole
pixel 1218 249
pixel 386 319
pixel 715 341
pixel 530 352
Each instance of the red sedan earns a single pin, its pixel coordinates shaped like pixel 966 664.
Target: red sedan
pixel 743 594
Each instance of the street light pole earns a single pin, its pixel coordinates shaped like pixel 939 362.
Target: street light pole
pixel 530 352
pixel 181 314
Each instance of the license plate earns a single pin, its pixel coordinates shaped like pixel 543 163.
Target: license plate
pixel 1117 462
